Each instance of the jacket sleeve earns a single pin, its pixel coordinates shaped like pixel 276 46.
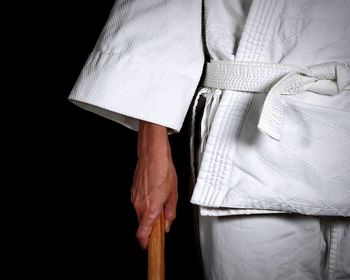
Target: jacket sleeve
pixel 146 65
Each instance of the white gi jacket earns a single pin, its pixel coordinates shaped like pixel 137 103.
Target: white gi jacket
pixel 147 64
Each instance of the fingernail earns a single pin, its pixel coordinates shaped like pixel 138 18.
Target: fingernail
pixel 167 226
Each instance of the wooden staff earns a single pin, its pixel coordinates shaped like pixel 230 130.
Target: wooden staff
pixel 156 250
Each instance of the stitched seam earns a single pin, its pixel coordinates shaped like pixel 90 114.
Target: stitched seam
pixel 329 273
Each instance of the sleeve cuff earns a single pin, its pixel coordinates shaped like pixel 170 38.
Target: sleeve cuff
pixel 126 90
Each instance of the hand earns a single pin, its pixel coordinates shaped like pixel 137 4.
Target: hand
pixel 155 181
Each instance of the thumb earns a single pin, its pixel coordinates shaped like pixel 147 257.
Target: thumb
pixel 169 213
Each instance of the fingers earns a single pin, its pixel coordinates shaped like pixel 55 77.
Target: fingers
pixel 145 225
pixel 170 211
pixel 154 190
pixel 150 215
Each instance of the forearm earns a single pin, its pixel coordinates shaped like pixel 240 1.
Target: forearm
pixel 152 138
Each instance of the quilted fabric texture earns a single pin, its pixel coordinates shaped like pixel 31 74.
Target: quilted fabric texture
pixel 308 170
pixel 146 64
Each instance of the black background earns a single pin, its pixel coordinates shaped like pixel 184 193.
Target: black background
pixel 79 221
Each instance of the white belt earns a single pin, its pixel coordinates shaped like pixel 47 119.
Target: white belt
pixel 277 79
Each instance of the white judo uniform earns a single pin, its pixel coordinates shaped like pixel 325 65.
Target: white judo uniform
pixel 275 128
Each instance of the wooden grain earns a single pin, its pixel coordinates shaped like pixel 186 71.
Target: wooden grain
pixel 156 251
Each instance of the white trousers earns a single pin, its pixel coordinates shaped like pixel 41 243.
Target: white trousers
pixel 275 247
pixel 272 246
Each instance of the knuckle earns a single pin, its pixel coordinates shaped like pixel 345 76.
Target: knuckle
pixel 138 208
pixel 171 216
pixel 152 213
